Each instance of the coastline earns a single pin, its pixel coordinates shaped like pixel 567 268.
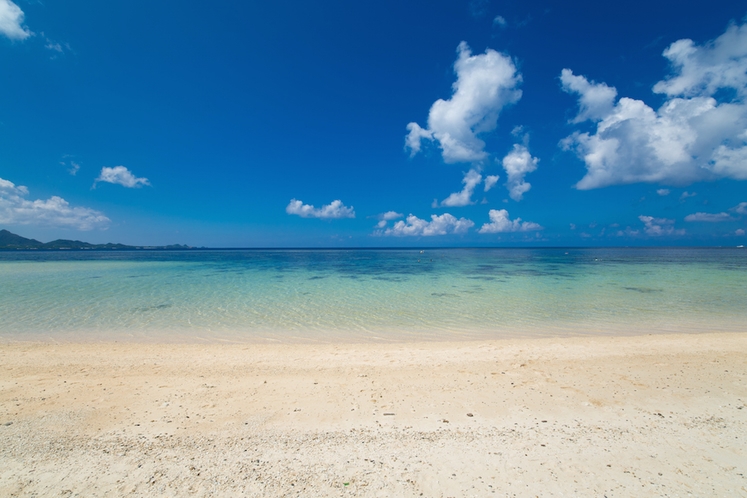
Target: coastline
pixel 659 414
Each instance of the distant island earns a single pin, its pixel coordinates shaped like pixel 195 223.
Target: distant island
pixel 12 242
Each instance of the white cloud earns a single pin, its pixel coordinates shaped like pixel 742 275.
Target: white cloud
pixel 691 137
pixel 740 208
pixel 629 232
pixel 709 217
pixel 663 191
pixel 659 226
pixel 439 225
pixel 74 168
pixel 334 210
pixel 499 21
pixel 53 46
pixel 471 180
pixel 485 84
pixel 59 48
pixel 720 63
pixel 518 163
pixel 739 231
pixel 386 217
pixel 687 194
pixel 490 181
pixel 390 215
pixel 11 21
pixel 121 176
pixel 500 223
pixel 9 188
pixel 596 100
pixel 55 211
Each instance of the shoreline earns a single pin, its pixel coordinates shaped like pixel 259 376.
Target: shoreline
pixel 656 414
pixel 399 335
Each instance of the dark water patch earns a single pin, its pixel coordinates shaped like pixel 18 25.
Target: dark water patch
pixel 443 294
pixel 153 308
pixel 389 279
pixel 488 268
pixel 482 278
pixel 317 277
pixel 519 272
pixel 643 290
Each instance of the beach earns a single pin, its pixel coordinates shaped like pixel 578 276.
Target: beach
pixel 645 415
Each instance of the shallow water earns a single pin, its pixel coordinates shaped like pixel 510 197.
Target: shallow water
pixel 353 295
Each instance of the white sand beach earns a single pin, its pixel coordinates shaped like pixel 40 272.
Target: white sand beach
pixel 650 415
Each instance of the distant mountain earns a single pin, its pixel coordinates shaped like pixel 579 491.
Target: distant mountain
pixel 11 241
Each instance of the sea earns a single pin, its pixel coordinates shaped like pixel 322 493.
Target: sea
pixel 369 295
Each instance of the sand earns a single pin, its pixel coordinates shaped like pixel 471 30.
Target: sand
pixel 652 415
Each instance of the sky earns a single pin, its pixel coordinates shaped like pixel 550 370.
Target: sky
pixel 375 124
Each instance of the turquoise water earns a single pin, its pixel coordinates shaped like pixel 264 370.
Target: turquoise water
pixel 354 295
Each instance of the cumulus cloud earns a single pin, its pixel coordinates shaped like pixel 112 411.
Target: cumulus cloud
pixel 687 194
pixel 499 21
pixel 15 209
pixel 121 176
pixel 663 191
pixel 739 231
pixel 386 217
pixel 471 180
pixel 490 181
pixel 389 215
pixel 11 21
pixel 595 100
pixel 740 208
pixel 439 225
pixel 485 84
pixel 709 217
pixel 500 223
pixel 334 210
pixel 518 163
pixel 659 226
pixel 691 137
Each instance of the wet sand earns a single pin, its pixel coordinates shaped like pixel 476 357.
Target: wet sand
pixel 650 415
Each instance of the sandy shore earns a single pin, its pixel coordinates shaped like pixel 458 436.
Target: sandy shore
pixel 601 416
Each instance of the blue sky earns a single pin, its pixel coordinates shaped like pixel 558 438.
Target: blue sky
pixel 325 124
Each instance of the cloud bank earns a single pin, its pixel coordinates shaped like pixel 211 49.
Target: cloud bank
pixel 439 225
pixel 53 212
pixel 11 21
pixel 120 175
pixel 709 217
pixel 485 84
pixel 334 210
pixel 691 137
pixel 500 223
pixel 659 226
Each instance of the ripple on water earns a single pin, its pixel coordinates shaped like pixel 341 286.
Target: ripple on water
pixel 271 294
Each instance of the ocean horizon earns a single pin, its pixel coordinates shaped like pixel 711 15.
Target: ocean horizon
pixel 368 294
